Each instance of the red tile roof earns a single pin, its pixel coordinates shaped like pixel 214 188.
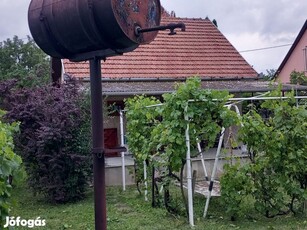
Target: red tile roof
pixel 201 50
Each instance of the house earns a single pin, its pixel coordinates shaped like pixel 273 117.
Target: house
pixel 153 69
pixel 296 58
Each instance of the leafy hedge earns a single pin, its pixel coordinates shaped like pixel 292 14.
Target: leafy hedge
pixel 274 181
pixel 10 166
pixel 54 139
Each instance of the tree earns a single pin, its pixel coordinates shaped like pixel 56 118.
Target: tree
pixel 270 74
pixel 24 61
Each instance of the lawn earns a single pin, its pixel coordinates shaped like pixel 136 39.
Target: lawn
pixel 128 211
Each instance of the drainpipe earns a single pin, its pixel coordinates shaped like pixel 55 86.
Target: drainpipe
pixel 122 144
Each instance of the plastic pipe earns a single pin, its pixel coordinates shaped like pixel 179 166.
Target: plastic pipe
pixel 122 143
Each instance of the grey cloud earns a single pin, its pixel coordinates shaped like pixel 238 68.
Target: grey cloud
pixel 271 23
pixel 245 16
pixel 240 16
pixel 13 19
pixel 285 16
pixel 276 22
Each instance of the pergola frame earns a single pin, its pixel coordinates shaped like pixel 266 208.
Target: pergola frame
pixel 232 103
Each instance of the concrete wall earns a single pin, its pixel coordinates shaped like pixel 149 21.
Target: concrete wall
pixel 114 175
pixel 114 168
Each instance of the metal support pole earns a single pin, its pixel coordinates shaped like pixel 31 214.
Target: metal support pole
pixel 98 145
pixel 153 192
pixel 189 168
pixel 202 161
pixel 122 143
pixel 217 156
pixel 145 179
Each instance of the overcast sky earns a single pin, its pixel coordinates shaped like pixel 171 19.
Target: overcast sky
pixel 247 24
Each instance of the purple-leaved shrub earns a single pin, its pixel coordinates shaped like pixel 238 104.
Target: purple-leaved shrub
pixel 54 137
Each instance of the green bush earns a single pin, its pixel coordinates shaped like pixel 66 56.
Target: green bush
pixel 276 173
pixel 298 78
pixel 10 166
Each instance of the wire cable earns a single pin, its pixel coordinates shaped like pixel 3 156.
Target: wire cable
pixel 264 48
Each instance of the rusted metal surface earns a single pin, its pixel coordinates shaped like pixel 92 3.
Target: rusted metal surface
pixel 56 71
pixel 68 28
pixel 137 13
pixel 171 27
pixel 115 150
pixel 93 30
pixel 98 146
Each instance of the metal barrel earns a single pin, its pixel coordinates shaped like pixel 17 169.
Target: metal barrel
pixel 66 28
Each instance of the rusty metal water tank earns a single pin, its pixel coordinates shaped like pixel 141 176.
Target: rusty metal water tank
pixel 68 28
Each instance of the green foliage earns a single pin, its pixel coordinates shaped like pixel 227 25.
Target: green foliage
pixel 277 167
pixel 270 74
pixel 236 189
pixel 203 110
pixel 298 78
pixel 140 126
pixel 10 166
pixel 161 129
pixel 157 133
pixel 23 61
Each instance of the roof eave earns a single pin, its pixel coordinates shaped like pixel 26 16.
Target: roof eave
pixel 286 88
pixel 173 79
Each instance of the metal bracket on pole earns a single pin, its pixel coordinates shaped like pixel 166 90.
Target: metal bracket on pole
pixel 171 27
pixel 99 152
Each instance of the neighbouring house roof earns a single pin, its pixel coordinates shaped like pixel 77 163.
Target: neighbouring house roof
pixel 293 47
pixel 201 50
